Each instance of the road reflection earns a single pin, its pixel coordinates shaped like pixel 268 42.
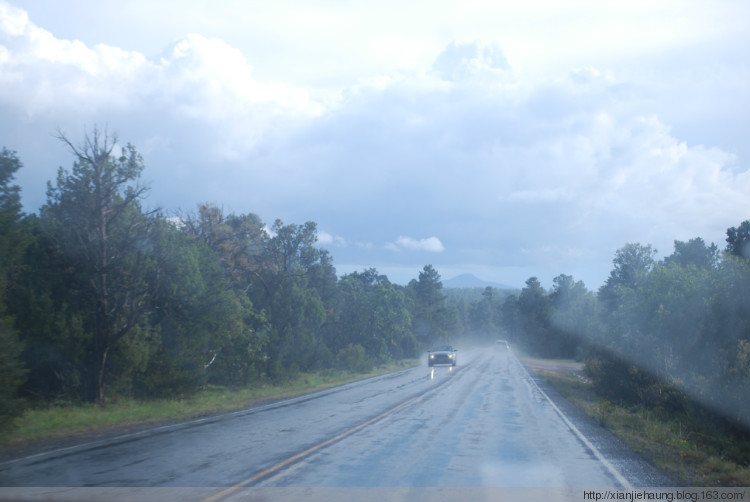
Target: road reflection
pixel 432 371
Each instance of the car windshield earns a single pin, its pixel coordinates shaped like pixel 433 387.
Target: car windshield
pixel 236 238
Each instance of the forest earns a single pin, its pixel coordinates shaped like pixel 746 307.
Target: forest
pixel 101 297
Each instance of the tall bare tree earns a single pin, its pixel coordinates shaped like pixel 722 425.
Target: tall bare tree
pixel 97 212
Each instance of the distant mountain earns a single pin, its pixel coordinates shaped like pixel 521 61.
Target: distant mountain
pixel 472 281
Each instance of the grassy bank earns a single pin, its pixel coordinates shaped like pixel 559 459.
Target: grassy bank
pixel 121 414
pixel 670 442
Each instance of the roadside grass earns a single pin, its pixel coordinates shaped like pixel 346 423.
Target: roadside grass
pixel 120 413
pixel 670 442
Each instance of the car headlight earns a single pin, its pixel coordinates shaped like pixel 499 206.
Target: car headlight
pixel 432 356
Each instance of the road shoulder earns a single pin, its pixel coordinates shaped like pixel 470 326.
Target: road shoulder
pixel 632 466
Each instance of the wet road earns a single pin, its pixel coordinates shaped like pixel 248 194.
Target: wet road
pixel 486 423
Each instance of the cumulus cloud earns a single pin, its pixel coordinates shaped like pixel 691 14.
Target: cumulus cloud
pixel 516 171
pixel 202 83
pixel 214 81
pixel 430 244
pixel 562 161
pixel 325 239
pixel 42 74
pixel 458 61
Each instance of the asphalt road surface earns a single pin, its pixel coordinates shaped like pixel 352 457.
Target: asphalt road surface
pixel 488 422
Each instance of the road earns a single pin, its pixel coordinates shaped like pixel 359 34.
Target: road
pixel 488 422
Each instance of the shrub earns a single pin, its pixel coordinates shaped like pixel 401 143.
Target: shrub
pixel 353 358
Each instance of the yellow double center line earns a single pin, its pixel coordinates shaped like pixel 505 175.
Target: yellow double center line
pixel 299 456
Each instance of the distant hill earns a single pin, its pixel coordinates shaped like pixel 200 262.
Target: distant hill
pixel 472 281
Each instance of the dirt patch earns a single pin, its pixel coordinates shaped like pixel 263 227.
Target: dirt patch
pixel 559 368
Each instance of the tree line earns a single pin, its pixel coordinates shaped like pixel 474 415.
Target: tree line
pixel 100 296
pixel 670 334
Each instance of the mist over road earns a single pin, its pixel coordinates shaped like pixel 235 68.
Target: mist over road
pixel 487 422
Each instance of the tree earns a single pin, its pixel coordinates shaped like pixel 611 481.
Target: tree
pixel 738 240
pixel 428 289
pixel 430 316
pixel 694 252
pixel 96 214
pixel 375 316
pixel 632 263
pixel 511 317
pixel 285 287
pixel 12 239
pixel 534 314
pixel 677 329
pixel 12 243
pixel 197 318
pixel 482 315
pixel 240 241
pixel 573 314
pixel 48 303
pixel 288 254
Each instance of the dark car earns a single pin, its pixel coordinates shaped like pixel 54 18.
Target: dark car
pixel 442 355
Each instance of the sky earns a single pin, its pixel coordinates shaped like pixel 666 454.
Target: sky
pixel 502 139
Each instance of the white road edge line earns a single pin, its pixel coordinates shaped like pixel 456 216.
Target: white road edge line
pixel 607 464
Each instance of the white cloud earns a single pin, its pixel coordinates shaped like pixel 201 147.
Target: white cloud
pixel 589 75
pixel 216 78
pixel 326 239
pixel 13 21
pixel 459 140
pixel 390 246
pixel 474 60
pixel 198 83
pixel 41 74
pixel 430 244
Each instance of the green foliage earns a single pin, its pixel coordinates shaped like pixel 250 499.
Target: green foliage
pixel 620 380
pixel 243 356
pixel 97 295
pixel 47 305
pixel 483 316
pixel 557 324
pixel 695 252
pixel 94 214
pixel 13 240
pixel 738 240
pixel 107 298
pixel 477 313
pixel 374 314
pixel 684 322
pixel 612 376
pixel 573 317
pixel 239 241
pixel 432 322
pixel 534 311
pixel 353 358
pixel 671 335
pixel 632 263
pixel 12 376
pixel 200 318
